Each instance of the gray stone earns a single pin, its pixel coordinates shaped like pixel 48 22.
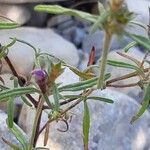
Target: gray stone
pixel 71 28
pixel 140 8
pixel 56 20
pixel 96 40
pixel 5 133
pixel 110 125
pixel 22 56
pixel 17 13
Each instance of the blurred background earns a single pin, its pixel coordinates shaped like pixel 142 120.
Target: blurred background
pixel 68 38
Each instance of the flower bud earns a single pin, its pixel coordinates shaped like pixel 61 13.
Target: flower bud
pixel 40 78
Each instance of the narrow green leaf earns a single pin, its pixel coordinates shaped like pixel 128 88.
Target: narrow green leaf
pixel 56 97
pixel 80 73
pixel 24 99
pixel 79 85
pixel 46 98
pixel 4 95
pixel 86 125
pixel 56 9
pixel 82 85
pixel 139 24
pixel 19 136
pixel 2 87
pixel 24 42
pixel 8 25
pixel 4 49
pixel 145 42
pixel 16 82
pixel 130 45
pixel 124 65
pixel 12 146
pixel 145 104
pixel 9 44
pixel 72 96
pixel 101 8
pixel 103 99
pixel 10 111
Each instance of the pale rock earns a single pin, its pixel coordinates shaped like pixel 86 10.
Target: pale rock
pixel 6 134
pixel 140 8
pixel 110 124
pixel 17 13
pixel 96 40
pixel 141 11
pixel 22 56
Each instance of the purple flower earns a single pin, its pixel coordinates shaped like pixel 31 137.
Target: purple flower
pixel 39 74
pixel 40 78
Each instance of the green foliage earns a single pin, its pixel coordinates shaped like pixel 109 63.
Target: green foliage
pixel 56 97
pixel 4 95
pixel 143 41
pixel 82 85
pixel 145 104
pixel 12 146
pixel 56 9
pixel 130 45
pixel 86 125
pixel 19 136
pixel 4 49
pixel 8 25
pixel 124 65
pixel 106 100
pixel 10 111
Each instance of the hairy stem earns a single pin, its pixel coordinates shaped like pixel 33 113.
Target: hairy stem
pixel 103 62
pixel 35 124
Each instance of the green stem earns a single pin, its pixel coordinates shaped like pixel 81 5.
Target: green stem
pixel 37 115
pixel 102 64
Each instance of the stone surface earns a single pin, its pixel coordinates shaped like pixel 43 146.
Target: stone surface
pixel 71 28
pixel 140 9
pixel 96 40
pixel 5 133
pixel 17 13
pixel 48 41
pixel 110 127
